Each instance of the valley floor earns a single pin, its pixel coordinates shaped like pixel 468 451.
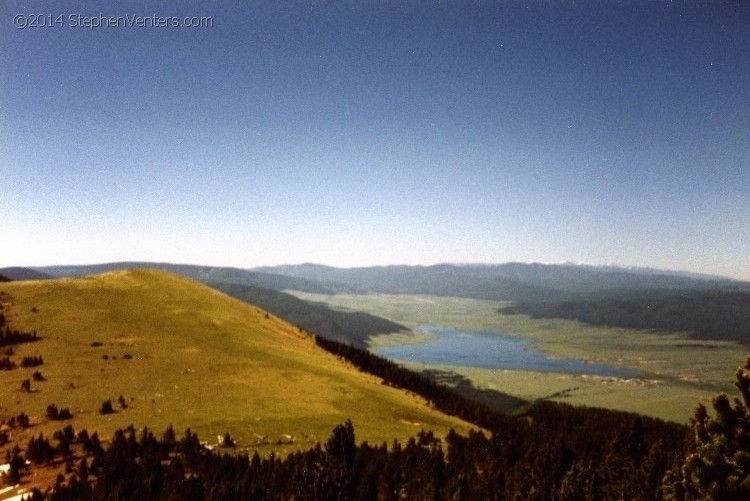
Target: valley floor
pixel 677 371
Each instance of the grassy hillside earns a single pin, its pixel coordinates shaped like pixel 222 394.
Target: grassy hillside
pixel 205 274
pixel 182 353
pixel 263 290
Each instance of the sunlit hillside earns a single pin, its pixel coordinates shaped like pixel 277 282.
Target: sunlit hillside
pixel 181 353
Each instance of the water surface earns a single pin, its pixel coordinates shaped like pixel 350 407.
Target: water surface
pixel 490 350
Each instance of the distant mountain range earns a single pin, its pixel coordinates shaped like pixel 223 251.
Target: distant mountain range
pixel 509 281
pixel 19 273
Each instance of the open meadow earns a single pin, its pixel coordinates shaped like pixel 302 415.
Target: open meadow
pixel 677 371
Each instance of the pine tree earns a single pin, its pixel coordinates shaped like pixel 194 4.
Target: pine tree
pixel 16 462
pixel 106 407
pixel 338 463
pixel 717 464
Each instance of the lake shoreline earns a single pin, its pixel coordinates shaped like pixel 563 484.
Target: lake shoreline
pixel 438 345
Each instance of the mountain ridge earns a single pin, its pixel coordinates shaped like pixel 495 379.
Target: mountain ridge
pixel 506 281
pixel 23 273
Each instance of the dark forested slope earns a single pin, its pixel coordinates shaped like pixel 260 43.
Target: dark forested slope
pixel 720 316
pixel 348 327
pixel 510 281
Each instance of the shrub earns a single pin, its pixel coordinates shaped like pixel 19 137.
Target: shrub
pixel 56 414
pixel 228 441
pixel 52 412
pixel 39 450
pixel 106 407
pixel 16 463
pixel 717 464
pixel 6 364
pixel 65 438
pixel 31 361
pixel 22 420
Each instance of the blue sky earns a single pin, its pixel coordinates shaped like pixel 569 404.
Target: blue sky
pixel 367 133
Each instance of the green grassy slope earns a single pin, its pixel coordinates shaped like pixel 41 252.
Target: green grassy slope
pixel 205 274
pixel 195 357
pixel 263 290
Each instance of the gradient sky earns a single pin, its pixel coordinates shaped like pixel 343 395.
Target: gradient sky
pixel 378 132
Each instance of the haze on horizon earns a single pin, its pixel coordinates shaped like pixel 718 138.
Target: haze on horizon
pixel 367 133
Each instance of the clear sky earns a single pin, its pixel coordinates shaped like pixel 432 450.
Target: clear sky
pixel 365 133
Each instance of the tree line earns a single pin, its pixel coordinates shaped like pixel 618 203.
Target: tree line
pixel 12 337
pixel 600 455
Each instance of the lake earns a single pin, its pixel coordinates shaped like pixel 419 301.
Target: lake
pixel 490 350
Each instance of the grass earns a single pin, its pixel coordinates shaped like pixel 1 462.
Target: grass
pixel 678 372
pixel 187 355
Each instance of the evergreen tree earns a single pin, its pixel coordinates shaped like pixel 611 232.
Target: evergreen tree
pixel 717 464
pixel 169 440
pixel 579 484
pixel 338 463
pixel 16 463
pixel 83 470
pixel 106 407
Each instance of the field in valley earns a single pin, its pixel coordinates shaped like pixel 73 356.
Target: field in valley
pixel 677 371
